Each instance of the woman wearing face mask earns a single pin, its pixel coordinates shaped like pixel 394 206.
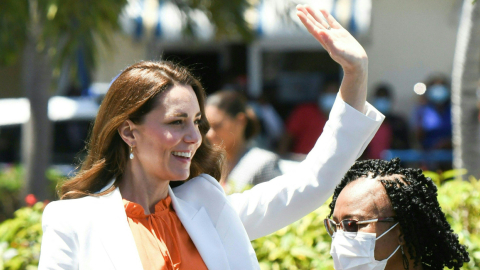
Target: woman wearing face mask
pixel 387 217
pixel 232 124
pixel 432 120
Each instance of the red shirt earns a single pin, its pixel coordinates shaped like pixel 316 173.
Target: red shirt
pixel 381 142
pixel 305 124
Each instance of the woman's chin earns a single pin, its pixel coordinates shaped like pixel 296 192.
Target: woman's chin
pixel 181 177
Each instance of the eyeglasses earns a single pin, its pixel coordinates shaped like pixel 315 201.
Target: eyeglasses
pixel 351 225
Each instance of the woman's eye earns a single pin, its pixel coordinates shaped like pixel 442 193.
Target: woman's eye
pixel 360 226
pixel 176 122
pixel 198 121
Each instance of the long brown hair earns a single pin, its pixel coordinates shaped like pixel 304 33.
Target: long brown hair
pixel 131 96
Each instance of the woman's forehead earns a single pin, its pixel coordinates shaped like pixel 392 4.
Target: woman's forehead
pixel 364 198
pixel 178 97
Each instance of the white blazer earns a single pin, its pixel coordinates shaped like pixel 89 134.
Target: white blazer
pixel 93 232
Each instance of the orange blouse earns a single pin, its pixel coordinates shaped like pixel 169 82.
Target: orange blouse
pixel 162 241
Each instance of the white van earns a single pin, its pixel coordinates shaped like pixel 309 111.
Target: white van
pixel 71 117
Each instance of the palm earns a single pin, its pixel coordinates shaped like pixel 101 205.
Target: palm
pixel 339 43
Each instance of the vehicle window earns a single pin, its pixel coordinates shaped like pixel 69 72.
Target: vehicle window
pixel 69 138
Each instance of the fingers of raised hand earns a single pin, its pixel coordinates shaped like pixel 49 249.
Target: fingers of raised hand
pixel 313 18
pixel 330 19
pixel 312 27
pixel 318 17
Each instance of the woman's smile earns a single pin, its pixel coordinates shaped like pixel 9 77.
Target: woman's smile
pixel 184 157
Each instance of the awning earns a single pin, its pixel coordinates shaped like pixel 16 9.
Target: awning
pixel 15 111
pixel 162 20
pixel 270 19
pixel 277 18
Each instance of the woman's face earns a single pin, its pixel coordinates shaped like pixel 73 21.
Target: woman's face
pixel 224 130
pixel 365 199
pixel 169 136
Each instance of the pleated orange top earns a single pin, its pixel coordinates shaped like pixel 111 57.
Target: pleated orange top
pixel 162 241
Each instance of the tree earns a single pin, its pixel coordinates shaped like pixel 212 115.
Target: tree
pixel 44 34
pixel 465 84
pixel 47 33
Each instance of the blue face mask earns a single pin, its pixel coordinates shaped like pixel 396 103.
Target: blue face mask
pixel 438 94
pixel 326 101
pixel 383 104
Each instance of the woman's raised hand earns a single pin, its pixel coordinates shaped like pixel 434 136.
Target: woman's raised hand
pixel 339 43
pixel 344 49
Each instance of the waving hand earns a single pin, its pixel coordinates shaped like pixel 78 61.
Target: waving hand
pixel 343 48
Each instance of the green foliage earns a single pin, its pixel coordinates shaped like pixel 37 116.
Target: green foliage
pixel 62 28
pixel 71 25
pixel 12 180
pixel 13 29
pixel 227 16
pixel 460 201
pixel 440 177
pixel 20 239
pixel 302 245
pixel 305 244
pixel 59 28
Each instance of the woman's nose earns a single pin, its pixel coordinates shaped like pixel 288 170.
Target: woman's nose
pixel 193 135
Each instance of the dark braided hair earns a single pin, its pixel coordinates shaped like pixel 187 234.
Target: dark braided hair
pixel 428 236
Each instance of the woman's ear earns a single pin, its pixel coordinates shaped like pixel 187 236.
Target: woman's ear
pixel 125 130
pixel 241 119
pixel 401 239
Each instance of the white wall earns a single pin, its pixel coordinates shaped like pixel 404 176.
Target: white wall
pixel 409 40
pixel 124 52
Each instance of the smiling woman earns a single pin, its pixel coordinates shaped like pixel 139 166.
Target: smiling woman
pixel 121 212
pixel 163 144
pixel 129 114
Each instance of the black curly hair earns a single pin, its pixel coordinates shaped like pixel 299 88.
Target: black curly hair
pixel 428 236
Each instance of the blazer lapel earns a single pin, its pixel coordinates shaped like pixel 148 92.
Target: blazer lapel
pixel 202 232
pixel 115 233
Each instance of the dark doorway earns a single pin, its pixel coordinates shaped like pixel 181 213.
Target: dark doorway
pixel 204 65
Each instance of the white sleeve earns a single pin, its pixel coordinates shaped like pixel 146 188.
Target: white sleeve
pixel 59 242
pixel 272 205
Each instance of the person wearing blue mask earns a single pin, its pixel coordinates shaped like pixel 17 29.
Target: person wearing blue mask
pixel 432 120
pixel 394 132
pixel 300 126
pixel 385 217
pixel 327 98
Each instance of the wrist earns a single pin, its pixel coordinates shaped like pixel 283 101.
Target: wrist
pixel 354 87
pixel 359 69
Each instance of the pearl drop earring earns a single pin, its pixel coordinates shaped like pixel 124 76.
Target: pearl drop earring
pixel 131 153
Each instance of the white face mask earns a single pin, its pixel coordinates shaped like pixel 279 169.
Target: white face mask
pixel 357 253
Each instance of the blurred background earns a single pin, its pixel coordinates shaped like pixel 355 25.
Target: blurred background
pixel 58 58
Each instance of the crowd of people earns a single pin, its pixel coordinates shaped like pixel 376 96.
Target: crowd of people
pixel 253 130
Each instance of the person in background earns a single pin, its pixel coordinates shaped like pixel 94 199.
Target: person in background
pixel 383 216
pixel 271 124
pixel 233 125
pixel 394 132
pixel 432 118
pixel 302 126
